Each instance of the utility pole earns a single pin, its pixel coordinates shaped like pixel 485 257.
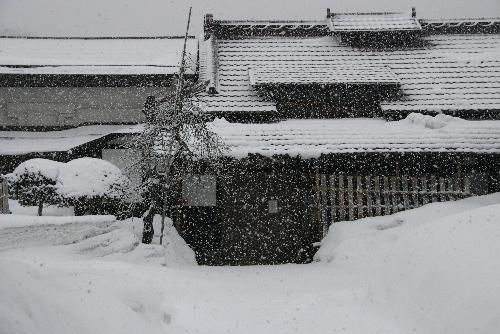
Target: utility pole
pixel 171 131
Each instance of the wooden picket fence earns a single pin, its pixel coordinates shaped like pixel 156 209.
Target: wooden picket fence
pixel 342 197
pixel 4 197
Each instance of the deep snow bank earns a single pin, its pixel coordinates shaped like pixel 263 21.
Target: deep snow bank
pixel 123 242
pixel 438 262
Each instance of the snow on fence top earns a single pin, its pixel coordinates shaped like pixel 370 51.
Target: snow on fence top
pixel 127 56
pixel 24 142
pixel 358 22
pixel 311 138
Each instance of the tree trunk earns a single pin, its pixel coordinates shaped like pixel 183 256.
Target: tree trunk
pixel 40 208
pixel 148 231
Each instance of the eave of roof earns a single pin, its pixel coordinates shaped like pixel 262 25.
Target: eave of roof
pixel 26 142
pixel 312 138
pixel 95 55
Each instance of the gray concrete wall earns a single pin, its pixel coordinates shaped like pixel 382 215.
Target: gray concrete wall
pixel 72 106
pixel 128 162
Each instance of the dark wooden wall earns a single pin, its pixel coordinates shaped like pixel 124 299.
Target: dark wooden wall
pixel 241 230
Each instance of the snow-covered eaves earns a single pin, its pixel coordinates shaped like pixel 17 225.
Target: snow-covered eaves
pixel 25 142
pixel 311 138
pixel 373 22
pixel 95 56
pixel 322 75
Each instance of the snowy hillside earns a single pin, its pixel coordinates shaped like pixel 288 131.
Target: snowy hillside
pixel 429 270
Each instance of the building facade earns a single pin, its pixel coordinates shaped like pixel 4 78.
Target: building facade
pixel 356 115
pixel 63 98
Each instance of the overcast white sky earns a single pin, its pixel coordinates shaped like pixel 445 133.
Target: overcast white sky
pixel 168 17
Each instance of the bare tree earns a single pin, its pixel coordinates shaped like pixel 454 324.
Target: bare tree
pixel 175 139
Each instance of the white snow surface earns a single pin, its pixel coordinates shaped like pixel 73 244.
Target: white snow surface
pixel 90 177
pixel 428 270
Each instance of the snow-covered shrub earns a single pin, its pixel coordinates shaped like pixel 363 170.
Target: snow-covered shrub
pixel 92 186
pixel 33 183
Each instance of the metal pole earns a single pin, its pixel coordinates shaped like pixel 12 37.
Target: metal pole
pixel 174 136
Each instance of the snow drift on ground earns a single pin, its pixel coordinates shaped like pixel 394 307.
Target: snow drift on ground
pixel 429 270
pixel 436 264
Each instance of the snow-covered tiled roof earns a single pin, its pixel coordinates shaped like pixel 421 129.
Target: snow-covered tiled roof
pixel 446 72
pixel 359 22
pixel 321 74
pixel 311 138
pixel 94 55
pixel 24 142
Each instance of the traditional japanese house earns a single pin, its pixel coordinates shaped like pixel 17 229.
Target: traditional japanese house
pixel 62 98
pixel 355 115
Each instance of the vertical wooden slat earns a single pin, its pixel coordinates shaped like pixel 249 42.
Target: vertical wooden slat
pixel 467 186
pixel 350 197
pixel 324 204
pixel 359 196
pixel 387 203
pixel 404 183
pixel 433 187
pixel 341 198
pixel 450 190
pixel 442 189
pixel 458 187
pixel 378 204
pixel 414 183
pixel 394 194
pixel 369 199
pixel 425 190
pixel 333 204
pixel 4 194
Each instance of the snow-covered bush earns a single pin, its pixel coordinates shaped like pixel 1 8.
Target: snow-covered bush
pixel 92 186
pixel 33 183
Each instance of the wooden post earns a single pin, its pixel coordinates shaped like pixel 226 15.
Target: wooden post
pixel 341 198
pixel 425 190
pixel 4 197
pixel 359 195
pixel 378 204
pixel 387 202
pixel 350 197
pixel 414 183
pixel 467 186
pixel 394 193
pixel 442 189
pixel 368 181
pixel 451 192
pixel 333 207
pixel 458 187
pixel 433 188
pixel 318 197
pixel 324 204
pixel 404 182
